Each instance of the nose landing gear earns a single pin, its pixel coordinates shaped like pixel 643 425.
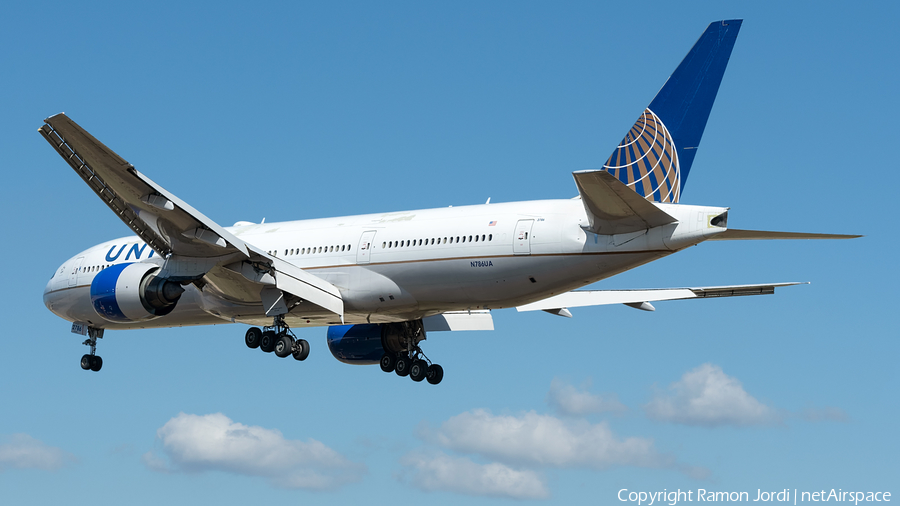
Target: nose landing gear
pixel 92 361
pixel 277 338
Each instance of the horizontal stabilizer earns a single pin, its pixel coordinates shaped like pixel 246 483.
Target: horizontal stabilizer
pixel 614 208
pixel 581 298
pixel 734 234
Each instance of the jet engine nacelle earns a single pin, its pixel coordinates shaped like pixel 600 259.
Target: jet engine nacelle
pixel 365 343
pixel 130 292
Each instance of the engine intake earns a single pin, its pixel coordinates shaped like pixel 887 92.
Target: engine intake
pixel 130 292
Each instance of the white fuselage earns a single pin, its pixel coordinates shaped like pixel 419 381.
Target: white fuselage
pixel 407 265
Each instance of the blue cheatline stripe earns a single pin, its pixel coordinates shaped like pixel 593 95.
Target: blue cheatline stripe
pixel 103 293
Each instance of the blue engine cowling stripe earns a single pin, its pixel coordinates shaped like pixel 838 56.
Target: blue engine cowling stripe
pixel 103 293
pixel 356 344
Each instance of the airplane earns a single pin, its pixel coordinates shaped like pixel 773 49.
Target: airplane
pixel 380 282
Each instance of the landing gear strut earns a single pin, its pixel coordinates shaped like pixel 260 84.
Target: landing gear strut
pixel 411 361
pixel 92 361
pixel 278 338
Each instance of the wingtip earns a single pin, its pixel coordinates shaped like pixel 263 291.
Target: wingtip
pixel 47 119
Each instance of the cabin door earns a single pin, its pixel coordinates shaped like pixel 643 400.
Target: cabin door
pixel 366 243
pixel 73 272
pixel 522 237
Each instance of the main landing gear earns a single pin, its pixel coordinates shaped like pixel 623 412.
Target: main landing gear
pixel 413 363
pixel 277 338
pixel 92 361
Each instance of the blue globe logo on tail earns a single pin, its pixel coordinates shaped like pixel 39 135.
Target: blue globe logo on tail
pixel 646 160
pixel 656 156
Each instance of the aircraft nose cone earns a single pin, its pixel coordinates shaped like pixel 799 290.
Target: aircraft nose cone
pixel 48 295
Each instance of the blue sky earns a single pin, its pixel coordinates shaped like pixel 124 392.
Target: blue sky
pixel 303 111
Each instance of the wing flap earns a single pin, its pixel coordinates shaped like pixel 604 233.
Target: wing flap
pixel 581 298
pixel 459 320
pixel 296 281
pixel 614 208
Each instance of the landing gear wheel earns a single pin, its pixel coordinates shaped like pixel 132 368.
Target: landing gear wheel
pixel 387 362
pixel 267 342
pixel 252 337
pixel 435 374
pixel 300 350
pixel 402 366
pixel 283 345
pixel 96 363
pixel 86 362
pixel 418 370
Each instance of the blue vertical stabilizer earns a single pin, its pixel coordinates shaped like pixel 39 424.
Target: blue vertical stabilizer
pixel 655 156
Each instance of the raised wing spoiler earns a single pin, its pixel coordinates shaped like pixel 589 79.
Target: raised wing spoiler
pixel 168 224
pixel 641 299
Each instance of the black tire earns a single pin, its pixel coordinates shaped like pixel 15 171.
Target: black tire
pixel 387 362
pixel 96 363
pixel 267 341
pixel 86 362
pixel 418 370
pixel 435 374
pixel 301 351
pixel 401 367
pixel 284 345
pixel 252 337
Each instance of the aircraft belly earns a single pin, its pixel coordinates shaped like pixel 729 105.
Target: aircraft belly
pixel 497 282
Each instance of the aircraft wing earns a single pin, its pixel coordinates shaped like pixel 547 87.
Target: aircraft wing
pixel 640 299
pixel 168 224
pixel 161 219
pixel 614 208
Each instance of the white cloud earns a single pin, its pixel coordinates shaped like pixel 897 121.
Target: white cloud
pixel 21 451
pixel 213 442
pixel 439 471
pixel 708 397
pixel 569 400
pixel 543 440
